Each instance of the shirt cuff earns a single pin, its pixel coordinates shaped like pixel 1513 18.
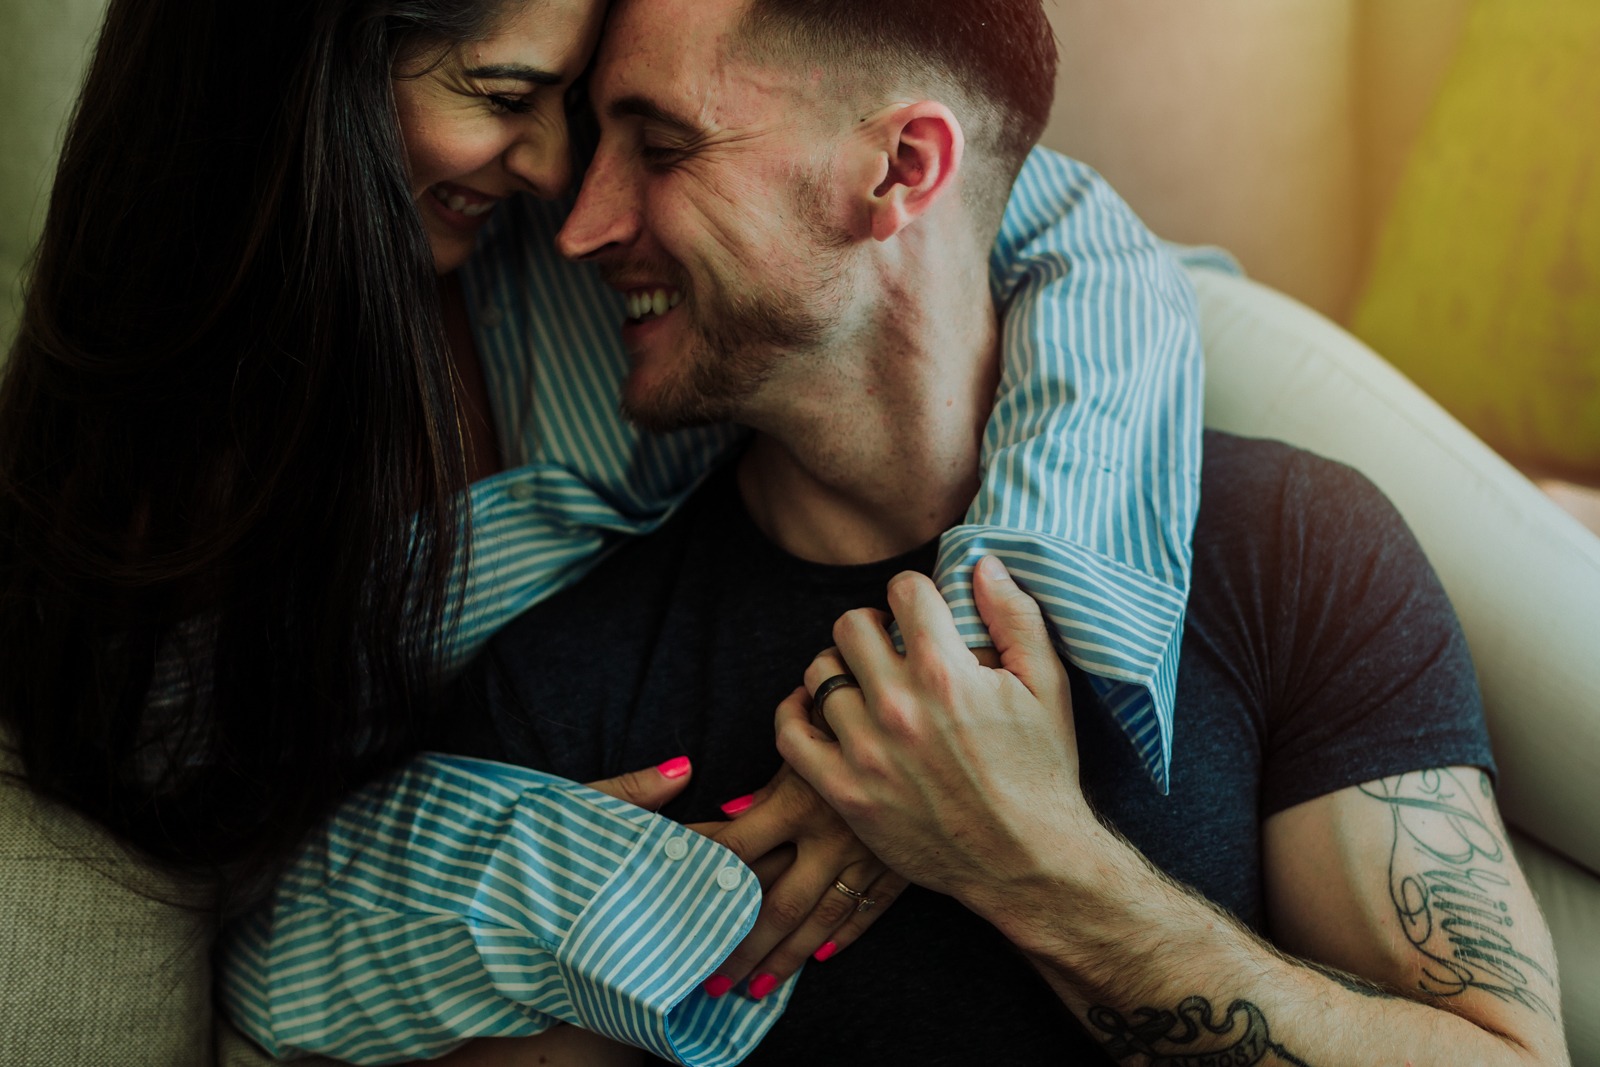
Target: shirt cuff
pixel 464 898
pixel 635 960
pixel 1118 624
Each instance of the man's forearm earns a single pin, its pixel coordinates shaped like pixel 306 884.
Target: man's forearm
pixel 1159 975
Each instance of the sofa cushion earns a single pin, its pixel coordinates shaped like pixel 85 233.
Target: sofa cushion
pixel 101 960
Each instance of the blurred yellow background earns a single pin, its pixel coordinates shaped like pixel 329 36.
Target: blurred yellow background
pixel 1485 283
pixel 1422 171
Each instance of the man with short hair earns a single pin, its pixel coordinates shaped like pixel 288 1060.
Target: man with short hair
pixel 814 187
pixel 1330 772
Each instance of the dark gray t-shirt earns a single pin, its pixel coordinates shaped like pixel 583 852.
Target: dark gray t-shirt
pixel 1319 652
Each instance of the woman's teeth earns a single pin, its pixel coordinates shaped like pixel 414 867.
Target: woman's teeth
pixel 457 202
pixel 643 303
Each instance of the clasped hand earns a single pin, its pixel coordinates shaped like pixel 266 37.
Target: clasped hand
pixel 937 769
pixel 799 848
pixel 956 775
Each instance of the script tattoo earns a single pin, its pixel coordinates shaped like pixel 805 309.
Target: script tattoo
pixel 1164 1036
pixel 1448 883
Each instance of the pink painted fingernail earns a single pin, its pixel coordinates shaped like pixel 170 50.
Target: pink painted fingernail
pixel 717 985
pixel 762 984
pixel 738 806
pixel 675 768
pixel 825 952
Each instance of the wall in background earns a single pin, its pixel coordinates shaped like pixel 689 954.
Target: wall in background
pixel 1275 129
pixel 43 47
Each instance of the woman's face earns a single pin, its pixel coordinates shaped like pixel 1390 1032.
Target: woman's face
pixel 489 120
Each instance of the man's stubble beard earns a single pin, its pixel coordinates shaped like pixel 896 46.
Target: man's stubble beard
pixel 740 341
pixel 728 361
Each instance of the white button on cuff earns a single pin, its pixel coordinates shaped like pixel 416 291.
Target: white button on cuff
pixel 677 848
pixel 729 878
pixel 521 492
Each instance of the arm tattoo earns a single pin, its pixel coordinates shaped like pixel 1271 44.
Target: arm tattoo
pixel 1448 883
pixel 1239 1039
pixel 1350 981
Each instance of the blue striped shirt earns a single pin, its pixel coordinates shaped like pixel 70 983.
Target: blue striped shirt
pixel 500 900
pixel 1090 468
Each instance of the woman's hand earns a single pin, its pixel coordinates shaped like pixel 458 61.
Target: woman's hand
pixel 798 847
pixel 953 773
pixel 651 787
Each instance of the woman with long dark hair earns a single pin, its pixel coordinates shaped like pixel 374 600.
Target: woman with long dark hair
pixel 249 459
pixel 230 455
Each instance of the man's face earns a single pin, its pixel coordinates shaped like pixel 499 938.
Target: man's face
pixel 707 206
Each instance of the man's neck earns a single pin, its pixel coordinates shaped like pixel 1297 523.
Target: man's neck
pixel 879 453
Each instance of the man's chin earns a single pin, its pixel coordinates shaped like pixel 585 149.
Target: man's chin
pixel 704 387
pixel 655 413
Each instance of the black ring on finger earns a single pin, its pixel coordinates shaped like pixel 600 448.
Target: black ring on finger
pixel 825 690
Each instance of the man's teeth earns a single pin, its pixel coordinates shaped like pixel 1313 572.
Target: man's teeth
pixel 457 202
pixel 642 303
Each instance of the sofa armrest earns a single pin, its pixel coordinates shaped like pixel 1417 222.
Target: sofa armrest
pixel 1524 577
pixel 1570 899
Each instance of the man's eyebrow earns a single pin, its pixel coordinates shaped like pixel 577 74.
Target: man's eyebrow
pixel 514 72
pixel 639 107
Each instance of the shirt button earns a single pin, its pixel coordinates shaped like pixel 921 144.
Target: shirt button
pixel 521 492
pixel 729 878
pixel 677 848
pixel 490 318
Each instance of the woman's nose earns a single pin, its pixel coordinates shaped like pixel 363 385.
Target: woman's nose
pixel 542 160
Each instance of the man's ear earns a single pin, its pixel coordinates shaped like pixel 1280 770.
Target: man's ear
pixel 917 150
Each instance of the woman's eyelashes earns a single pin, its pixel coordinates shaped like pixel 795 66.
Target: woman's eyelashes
pixel 508 104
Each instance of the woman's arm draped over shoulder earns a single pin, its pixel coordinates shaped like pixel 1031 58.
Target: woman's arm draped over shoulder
pixel 1091 461
pixel 462 898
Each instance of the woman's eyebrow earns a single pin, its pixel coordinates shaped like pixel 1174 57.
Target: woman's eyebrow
pixel 515 72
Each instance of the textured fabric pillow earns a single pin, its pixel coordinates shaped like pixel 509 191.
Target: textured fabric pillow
pixel 1485 287
pixel 94 968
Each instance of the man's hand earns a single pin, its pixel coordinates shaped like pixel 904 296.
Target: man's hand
pixel 965 780
pixel 798 847
pixel 949 770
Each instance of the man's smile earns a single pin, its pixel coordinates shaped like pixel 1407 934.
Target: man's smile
pixel 644 303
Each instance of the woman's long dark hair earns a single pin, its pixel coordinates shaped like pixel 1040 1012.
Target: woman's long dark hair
pixel 229 455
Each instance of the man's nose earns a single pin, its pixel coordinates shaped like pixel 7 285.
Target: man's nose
pixel 606 214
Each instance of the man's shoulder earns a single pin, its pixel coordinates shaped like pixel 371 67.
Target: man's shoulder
pixel 1276 517
pixel 1242 476
pixel 1252 461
